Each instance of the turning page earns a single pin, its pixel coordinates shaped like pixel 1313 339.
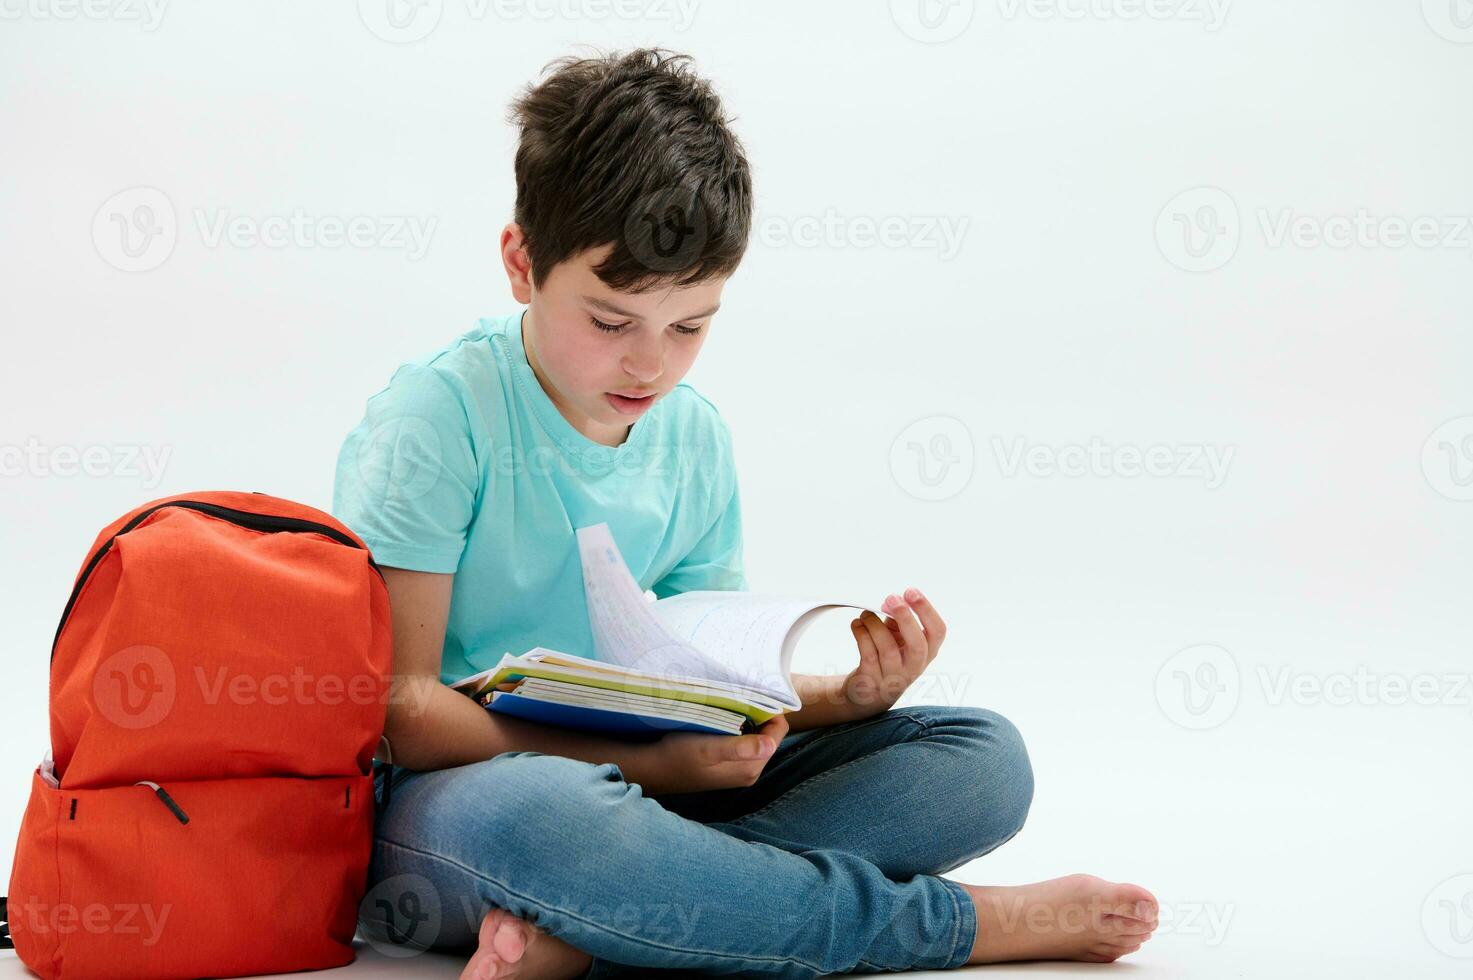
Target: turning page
pixel 744 639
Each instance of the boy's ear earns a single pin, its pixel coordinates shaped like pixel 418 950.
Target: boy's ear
pixel 518 265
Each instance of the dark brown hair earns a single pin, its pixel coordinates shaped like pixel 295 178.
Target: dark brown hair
pixel 631 149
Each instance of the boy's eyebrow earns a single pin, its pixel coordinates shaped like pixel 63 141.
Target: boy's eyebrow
pixel 611 308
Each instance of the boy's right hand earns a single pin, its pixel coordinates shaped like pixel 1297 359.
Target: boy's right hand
pixel 692 762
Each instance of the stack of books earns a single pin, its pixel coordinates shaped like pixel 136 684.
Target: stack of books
pixel 717 662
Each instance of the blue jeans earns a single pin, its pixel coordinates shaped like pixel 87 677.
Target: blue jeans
pixel 828 863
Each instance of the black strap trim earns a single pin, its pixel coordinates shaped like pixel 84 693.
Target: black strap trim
pixel 5 942
pixel 387 768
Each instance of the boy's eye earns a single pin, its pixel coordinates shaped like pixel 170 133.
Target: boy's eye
pixel 616 327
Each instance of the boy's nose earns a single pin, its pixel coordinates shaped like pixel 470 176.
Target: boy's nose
pixel 644 371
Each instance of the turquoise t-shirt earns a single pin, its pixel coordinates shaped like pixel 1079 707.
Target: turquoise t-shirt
pixel 463 464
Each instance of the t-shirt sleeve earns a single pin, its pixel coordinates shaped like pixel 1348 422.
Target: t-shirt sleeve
pixel 407 479
pixel 716 561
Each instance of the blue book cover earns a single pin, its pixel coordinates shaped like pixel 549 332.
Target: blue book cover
pixel 592 719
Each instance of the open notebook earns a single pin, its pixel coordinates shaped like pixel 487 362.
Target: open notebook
pixel 703 661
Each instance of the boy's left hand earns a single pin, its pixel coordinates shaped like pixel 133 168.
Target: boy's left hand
pixel 893 651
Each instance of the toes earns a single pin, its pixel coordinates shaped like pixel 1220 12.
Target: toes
pixel 510 940
pixel 489 924
pixel 1136 901
pixel 1119 925
pixel 1105 953
pixel 1122 898
pixel 503 940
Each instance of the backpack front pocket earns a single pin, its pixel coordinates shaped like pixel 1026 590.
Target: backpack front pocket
pixel 225 877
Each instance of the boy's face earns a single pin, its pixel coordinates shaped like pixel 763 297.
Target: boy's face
pixel 582 365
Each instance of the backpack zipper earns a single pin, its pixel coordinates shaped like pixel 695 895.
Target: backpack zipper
pixel 168 800
pixel 244 518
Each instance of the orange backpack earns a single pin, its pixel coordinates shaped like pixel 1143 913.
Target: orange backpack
pixel 218 687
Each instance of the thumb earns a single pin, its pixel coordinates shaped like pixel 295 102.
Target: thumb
pixel 752 747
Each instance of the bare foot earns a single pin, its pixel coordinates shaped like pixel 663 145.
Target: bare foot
pixel 514 949
pixel 1077 917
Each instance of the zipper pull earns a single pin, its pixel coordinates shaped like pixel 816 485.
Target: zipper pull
pixel 168 800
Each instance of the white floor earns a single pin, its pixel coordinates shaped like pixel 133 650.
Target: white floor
pixel 1162 959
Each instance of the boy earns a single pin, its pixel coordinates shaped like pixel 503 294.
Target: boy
pixel 812 846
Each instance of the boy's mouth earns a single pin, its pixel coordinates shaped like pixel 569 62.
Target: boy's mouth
pixel 625 405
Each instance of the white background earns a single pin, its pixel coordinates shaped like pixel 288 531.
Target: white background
pixel 1074 147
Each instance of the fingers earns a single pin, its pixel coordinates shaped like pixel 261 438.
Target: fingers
pixel 912 636
pixel 931 620
pixel 749 747
pixel 775 728
pixel 887 647
pixel 869 656
pixel 758 745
